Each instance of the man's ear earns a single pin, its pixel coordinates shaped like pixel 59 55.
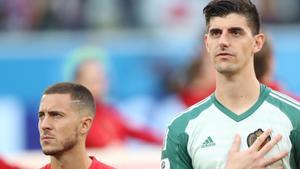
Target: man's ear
pixel 206 42
pixel 259 42
pixel 85 125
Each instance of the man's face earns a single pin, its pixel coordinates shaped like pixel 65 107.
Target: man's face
pixel 58 124
pixel 231 44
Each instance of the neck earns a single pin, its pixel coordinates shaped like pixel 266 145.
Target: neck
pixel 237 92
pixel 76 158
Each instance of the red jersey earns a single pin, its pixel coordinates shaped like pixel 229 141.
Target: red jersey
pixel 4 165
pixel 95 165
pixel 108 127
pixel 191 97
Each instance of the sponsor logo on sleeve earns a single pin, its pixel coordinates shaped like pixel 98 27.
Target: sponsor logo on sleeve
pixel 165 164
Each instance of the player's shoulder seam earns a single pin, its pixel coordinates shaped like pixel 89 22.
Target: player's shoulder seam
pixel 285 99
pixel 190 110
pixel 197 105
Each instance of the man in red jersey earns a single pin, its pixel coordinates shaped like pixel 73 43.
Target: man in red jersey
pixel 88 66
pixel 66 114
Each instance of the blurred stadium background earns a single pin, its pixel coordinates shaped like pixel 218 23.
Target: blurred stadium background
pixel 146 40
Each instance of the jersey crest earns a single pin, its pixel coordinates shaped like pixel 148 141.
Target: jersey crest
pixel 253 136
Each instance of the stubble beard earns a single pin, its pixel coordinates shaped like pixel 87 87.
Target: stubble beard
pixel 67 144
pixel 225 69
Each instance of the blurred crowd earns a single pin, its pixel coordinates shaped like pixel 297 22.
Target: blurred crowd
pixel 97 14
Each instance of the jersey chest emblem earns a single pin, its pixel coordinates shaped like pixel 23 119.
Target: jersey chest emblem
pixel 253 136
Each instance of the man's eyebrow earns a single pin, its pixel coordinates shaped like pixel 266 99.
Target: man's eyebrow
pixel 235 29
pixel 214 30
pixel 53 112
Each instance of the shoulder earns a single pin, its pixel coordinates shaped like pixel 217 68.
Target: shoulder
pixel 98 165
pixel 287 105
pixel 181 121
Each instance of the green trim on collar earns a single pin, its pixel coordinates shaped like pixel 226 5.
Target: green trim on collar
pixel 264 92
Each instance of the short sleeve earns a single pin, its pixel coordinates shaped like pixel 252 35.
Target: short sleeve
pixel 295 152
pixel 174 154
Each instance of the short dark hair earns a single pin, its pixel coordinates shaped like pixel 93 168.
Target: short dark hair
pixel 77 92
pixel 221 8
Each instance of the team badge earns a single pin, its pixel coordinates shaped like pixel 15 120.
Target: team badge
pixel 253 136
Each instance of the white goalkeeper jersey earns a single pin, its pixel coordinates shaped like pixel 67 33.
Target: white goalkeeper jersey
pixel 201 137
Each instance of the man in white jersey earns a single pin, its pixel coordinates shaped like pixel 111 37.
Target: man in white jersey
pixel 243 124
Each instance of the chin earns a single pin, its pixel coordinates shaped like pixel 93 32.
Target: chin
pixel 50 151
pixel 226 72
pixel 225 69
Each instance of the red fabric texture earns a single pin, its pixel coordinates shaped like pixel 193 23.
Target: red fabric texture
pixel 109 127
pixel 95 165
pixel 191 97
pixel 4 165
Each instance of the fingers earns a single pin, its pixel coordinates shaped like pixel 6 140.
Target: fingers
pixel 236 144
pixel 260 140
pixel 266 148
pixel 276 158
pixel 279 168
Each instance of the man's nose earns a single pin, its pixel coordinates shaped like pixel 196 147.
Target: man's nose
pixel 45 123
pixel 223 40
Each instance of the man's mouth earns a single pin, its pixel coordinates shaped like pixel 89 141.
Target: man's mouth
pixel 224 54
pixel 47 137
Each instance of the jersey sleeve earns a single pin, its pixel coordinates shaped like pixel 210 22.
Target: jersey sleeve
pixel 174 154
pixel 295 152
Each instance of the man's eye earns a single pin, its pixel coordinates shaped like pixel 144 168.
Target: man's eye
pixel 215 33
pixel 236 33
pixel 56 115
